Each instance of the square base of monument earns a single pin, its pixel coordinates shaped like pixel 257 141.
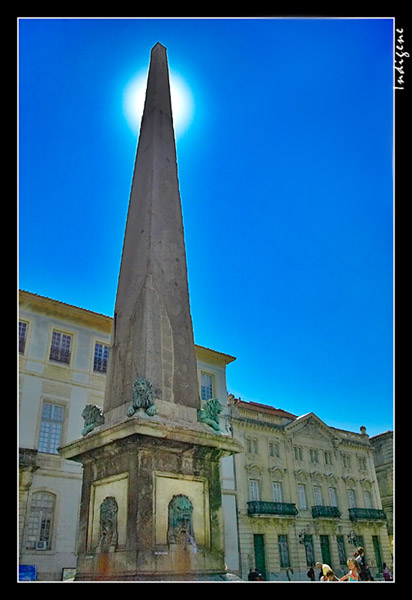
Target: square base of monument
pixel 159 577
pixel 146 466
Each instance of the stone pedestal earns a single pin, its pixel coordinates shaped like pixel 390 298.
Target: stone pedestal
pixel 149 465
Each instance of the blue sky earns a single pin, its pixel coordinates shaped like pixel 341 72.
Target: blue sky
pixel 286 179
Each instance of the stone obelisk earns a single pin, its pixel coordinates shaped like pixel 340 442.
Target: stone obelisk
pixel 151 506
pixel 153 334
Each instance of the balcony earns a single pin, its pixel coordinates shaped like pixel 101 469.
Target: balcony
pixel 327 512
pixel 368 514
pixel 256 507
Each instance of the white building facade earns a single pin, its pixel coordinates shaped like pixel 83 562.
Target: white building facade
pixel 63 355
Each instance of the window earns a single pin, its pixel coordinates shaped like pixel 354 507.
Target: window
pixel 346 460
pixel 254 489
pixel 101 356
pixel 60 347
pixel 351 499
pixel 206 385
pixel 313 455
pixel 328 458
pixel 273 449
pixel 297 450
pixel 378 553
pixel 260 555
pixel 51 428
pixel 40 521
pixel 309 550
pixel 283 550
pixel 325 549
pixel 277 491
pixel 362 463
pixel 368 499
pixel 317 495
pixel 252 445
pixel 302 496
pixel 333 497
pixel 22 336
pixel 340 540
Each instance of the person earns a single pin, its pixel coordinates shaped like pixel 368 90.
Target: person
pixel 253 575
pixel 363 568
pixel 353 574
pixel 311 574
pixel 324 568
pixel 330 576
pixel 387 575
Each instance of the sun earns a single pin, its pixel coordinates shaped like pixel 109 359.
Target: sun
pixel 181 96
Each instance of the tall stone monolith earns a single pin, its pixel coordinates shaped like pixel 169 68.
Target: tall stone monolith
pixel 151 506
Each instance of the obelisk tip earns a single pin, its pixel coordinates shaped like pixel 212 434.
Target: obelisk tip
pixel 158 45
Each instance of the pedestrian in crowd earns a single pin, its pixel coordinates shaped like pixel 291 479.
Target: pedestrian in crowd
pixel 330 576
pixel 387 575
pixel 253 575
pixel 364 572
pixel 353 574
pixel 311 574
pixel 324 568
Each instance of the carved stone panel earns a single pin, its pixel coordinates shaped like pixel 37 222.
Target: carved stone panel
pixel 108 513
pixel 108 525
pixel 181 507
pixel 180 521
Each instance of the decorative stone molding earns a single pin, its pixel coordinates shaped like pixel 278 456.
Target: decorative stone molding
pixel 253 468
pixel 277 471
pixel 317 476
pixel 301 475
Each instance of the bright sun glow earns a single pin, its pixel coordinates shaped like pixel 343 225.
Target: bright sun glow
pixel 182 102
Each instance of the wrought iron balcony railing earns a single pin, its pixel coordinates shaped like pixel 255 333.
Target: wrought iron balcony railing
pixel 374 514
pixel 325 511
pixel 256 507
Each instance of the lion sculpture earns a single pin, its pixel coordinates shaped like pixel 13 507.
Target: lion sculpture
pixel 209 414
pixel 93 417
pixel 142 397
